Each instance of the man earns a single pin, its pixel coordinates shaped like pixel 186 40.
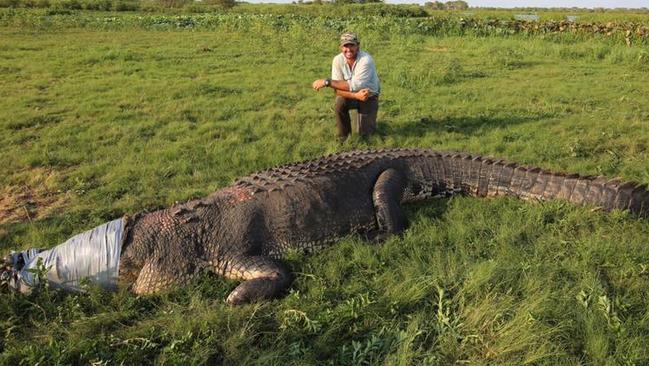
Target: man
pixel 357 86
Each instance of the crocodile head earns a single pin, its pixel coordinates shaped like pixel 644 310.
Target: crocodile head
pixel 11 271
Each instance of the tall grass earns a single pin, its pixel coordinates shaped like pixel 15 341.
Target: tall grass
pixel 629 33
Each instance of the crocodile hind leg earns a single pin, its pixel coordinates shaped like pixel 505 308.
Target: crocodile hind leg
pixel 264 278
pixel 387 195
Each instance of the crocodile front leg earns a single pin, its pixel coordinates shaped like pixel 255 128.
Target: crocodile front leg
pixel 387 195
pixel 157 274
pixel 265 278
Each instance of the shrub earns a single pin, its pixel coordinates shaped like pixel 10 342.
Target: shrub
pixel 36 3
pixel 97 5
pixel 9 3
pixel 67 4
pixel 226 4
pixel 121 5
pixel 174 3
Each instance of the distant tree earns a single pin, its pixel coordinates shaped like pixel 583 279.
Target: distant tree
pixel 449 5
pixel 457 5
pixel 356 1
pixel 435 5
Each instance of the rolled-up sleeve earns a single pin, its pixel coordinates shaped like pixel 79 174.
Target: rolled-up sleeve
pixel 336 70
pixel 364 75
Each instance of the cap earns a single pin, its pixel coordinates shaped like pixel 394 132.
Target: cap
pixel 347 38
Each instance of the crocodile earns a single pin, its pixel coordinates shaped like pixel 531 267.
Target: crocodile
pixel 243 231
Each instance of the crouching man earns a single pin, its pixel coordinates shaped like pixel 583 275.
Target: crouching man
pixel 357 86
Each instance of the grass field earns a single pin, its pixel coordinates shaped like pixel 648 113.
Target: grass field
pixel 98 123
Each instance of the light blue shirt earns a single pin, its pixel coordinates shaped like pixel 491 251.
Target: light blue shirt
pixel 360 76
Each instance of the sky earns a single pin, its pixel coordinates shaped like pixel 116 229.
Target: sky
pixel 525 3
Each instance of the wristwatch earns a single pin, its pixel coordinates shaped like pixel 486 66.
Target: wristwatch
pixel 327 82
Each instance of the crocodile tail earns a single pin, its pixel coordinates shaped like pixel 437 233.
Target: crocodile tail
pixel 600 191
pixel 485 177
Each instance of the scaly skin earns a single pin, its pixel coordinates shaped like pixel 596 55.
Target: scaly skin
pixel 242 231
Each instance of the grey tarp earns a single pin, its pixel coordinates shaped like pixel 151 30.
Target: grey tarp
pixel 93 254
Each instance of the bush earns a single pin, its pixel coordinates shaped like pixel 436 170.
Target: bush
pixel 226 4
pixel 36 3
pixel 67 4
pixel 335 10
pixel 149 6
pixel 120 5
pixel 98 5
pixel 9 3
pixel 174 3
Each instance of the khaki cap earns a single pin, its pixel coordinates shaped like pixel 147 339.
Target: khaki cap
pixel 347 38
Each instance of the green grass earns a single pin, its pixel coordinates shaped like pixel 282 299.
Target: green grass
pixel 370 19
pixel 97 123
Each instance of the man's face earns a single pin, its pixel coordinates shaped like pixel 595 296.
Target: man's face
pixel 349 50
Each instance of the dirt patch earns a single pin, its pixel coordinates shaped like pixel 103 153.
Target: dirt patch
pixel 33 198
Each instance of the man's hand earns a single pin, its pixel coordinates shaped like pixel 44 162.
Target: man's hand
pixel 318 84
pixel 362 94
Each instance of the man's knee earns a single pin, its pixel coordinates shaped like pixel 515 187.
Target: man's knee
pixel 367 117
pixel 366 126
pixel 341 104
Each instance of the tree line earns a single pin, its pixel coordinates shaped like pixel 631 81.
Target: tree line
pixel 449 5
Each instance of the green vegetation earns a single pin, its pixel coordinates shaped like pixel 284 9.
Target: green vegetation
pixel 449 5
pixel 104 114
pixel 403 21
